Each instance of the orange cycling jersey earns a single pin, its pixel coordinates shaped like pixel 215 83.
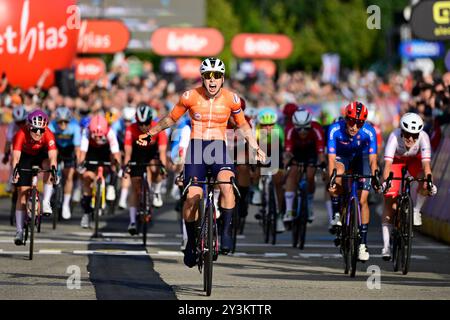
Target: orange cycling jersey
pixel 209 115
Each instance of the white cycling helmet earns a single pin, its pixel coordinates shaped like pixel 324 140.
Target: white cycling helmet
pixel 302 118
pixel 63 113
pixel 19 114
pixel 411 122
pixel 128 113
pixel 212 65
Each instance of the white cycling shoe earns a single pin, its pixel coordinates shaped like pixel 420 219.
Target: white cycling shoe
pixel 280 225
pixel 386 254
pixel 157 201
pixel 417 218
pixel 47 208
pixel 110 193
pixel 85 221
pixel 256 199
pixel 288 216
pixel 66 214
pixel 363 254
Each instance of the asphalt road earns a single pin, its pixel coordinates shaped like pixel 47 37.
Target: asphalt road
pixel 117 266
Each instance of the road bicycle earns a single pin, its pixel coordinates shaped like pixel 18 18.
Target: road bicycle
pixel 145 210
pixel 348 236
pixel 33 216
pixel 402 231
pixel 300 222
pixel 207 242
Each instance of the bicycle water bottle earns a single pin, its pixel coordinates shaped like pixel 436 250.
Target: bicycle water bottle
pixel 103 194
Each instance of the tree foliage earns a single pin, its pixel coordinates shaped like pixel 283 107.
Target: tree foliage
pixel 315 27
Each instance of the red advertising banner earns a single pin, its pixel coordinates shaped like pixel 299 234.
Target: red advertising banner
pixel 261 46
pixel 192 42
pixel 189 68
pixel 89 69
pixel 267 66
pixel 103 36
pixel 36 38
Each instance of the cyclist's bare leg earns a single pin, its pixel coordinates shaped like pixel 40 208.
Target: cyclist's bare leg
pixel 228 198
pixel 68 174
pixel 292 179
pixel 365 214
pixel 278 183
pixel 335 194
pixel 243 178
pixel 48 186
pixel 190 207
pixel 390 205
pixel 88 179
pixel 21 206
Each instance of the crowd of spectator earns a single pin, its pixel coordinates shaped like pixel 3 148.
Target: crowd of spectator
pixel 428 96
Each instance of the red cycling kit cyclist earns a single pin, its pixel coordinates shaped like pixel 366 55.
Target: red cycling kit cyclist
pixel 153 153
pixel 304 144
pixel 33 145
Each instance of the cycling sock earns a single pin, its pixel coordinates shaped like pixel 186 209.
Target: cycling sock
pixel 67 200
pixel 363 231
pixel 289 198
pixel 329 210
pixel 20 215
pixel 190 230
pixel 133 211
pixel 48 189
pixel 86 204
pixel 243 207
pixel 185 237
pixel 336 206
pixel 157 187
pixel 386 227
pixel 310 201
pixel 419 202
pixel 123 195
pixel 227 219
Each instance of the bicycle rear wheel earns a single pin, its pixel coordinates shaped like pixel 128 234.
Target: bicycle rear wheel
pixel 354 238
pixel 303 221
pixel 98 207
pixel 407 233
pixel 31 225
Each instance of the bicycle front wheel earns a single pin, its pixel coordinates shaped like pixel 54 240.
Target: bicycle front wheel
pixel 209 251
pixel 407 233
pixel 354 236
pixel 31 225
pixel 98 206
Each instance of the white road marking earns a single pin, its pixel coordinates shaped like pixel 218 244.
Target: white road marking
pixel 274 255
pixel 168 254
pixel 49 251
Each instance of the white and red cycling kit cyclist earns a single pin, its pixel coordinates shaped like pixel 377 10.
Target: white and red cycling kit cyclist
pixel 400 156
